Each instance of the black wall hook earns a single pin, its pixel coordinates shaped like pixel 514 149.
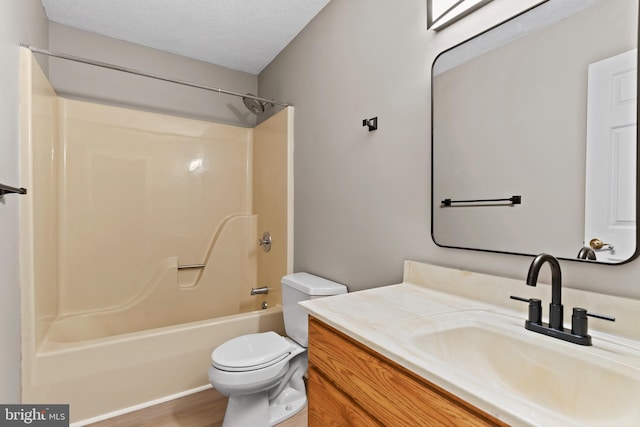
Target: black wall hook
pixel 371 123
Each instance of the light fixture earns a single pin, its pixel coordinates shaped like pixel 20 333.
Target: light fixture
pixel 442 13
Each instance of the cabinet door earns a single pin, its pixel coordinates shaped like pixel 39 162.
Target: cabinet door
pixel 328 406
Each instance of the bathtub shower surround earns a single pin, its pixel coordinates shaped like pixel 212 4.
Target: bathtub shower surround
pixel 140 245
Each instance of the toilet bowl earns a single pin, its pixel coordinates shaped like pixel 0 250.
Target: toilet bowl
pixel 263 373
pixel 247 367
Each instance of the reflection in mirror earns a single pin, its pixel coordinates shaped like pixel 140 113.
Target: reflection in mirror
pixel 442 13
pixel 543 106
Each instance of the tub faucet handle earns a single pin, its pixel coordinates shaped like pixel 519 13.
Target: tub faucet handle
pixel 265 241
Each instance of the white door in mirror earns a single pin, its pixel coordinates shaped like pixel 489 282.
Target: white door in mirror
pixel 610 196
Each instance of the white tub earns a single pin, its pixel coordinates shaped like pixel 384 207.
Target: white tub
pixel 104 377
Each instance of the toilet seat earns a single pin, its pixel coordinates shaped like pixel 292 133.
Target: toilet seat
pixel 236 381
pixel 251 352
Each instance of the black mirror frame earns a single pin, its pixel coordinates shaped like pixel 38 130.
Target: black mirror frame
pixel 636 253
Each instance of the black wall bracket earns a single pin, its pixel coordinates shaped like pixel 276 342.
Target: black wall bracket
pixel 372 124
pixel 6 189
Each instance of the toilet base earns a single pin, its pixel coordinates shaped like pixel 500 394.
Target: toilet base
pixel 255 409
pixel 290 396
pixel 270 407
pixel 248 410
pixel 291 405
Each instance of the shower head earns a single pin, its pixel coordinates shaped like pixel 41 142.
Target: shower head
pixel 255 106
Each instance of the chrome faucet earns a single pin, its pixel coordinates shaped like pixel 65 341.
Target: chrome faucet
pixel 578 334
pixel 259 291
pixel 555 307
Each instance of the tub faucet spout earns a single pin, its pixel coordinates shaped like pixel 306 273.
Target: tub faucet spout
pixel 259 291
pixel 555 307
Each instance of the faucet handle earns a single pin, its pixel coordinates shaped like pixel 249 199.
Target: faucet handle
pixel 579 324
pixel 535 308
pixel 601 316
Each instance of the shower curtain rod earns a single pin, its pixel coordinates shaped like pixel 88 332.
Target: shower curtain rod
pixel 143 74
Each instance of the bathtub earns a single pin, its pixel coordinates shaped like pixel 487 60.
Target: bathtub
pixel 105 377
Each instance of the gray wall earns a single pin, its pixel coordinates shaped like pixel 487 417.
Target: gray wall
pixel 362 199
pixel 81 81
pixel 20 21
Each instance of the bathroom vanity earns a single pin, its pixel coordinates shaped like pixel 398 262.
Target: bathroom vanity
pixel 350 384
pixel 448 347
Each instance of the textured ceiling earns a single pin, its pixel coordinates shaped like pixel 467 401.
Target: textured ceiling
pixel 243 35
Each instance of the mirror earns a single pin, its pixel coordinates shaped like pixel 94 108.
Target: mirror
pixel 534 136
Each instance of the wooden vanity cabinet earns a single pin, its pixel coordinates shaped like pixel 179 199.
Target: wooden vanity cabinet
pixel 352 385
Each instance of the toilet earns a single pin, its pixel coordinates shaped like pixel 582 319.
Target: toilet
pixel 263 373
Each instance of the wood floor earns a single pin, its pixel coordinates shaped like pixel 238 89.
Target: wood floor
pixel 203 409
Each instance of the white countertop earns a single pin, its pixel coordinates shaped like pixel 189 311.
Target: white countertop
pixel 386 319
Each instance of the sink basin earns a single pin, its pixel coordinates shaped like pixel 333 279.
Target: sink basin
pixel 592 385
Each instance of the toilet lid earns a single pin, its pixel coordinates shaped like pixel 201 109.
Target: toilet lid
pixel 251 351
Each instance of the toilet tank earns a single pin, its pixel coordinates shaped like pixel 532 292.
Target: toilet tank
pixel 303 287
